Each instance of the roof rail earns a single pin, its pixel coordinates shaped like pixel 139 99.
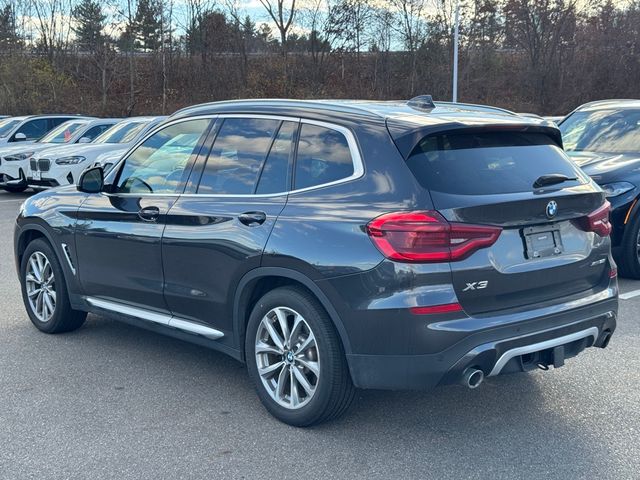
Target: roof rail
pixel 422 102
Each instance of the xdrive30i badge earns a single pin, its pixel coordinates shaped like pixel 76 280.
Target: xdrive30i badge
pixel 552 209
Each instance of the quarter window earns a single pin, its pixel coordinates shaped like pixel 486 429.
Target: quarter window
pixel 159 165
pixel 237 156
pixel 323 157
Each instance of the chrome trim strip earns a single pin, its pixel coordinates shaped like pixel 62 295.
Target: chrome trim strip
pixel 130 311
pixel 536 347
pixel 196 328
pixel 160 318
pixel 356 158
pixel 65 250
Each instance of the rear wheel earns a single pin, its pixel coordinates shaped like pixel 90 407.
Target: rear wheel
pixel 296 360
pixel 44 290
pixel 628 258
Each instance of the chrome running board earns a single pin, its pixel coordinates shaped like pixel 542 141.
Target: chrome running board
pixel 536 347
pixel 160 318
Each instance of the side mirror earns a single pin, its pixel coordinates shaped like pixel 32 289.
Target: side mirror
pixel 91 180
pixel 19 137
pixel 84 140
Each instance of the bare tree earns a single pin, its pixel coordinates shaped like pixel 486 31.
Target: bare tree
pixel 282 13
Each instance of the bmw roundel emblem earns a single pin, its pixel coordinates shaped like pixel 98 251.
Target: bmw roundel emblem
pixel 552 209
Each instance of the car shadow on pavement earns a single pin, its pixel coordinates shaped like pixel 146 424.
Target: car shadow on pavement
pixel 142 381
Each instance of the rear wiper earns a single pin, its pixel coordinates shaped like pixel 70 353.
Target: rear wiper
pixel 551 179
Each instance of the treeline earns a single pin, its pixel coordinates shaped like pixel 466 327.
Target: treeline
pixel 125 57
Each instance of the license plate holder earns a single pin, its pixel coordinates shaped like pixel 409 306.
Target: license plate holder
pixel 36 175
pixel 543 241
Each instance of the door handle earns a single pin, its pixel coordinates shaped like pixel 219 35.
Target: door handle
pixel 252 219
pixel 149 214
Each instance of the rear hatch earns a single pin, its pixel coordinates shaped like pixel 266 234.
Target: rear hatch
pixel 548 247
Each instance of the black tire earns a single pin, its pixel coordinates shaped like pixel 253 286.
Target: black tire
pixel 14 189
pixel 64 318
pixel 627 255
pixel 334 390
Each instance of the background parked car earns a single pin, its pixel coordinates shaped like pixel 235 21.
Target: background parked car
pixel 603 138
pixel 29 128
pixel 15 159
pixel 64 164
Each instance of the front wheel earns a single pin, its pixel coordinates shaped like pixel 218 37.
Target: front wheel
pixel 15 188
pixel 44 291
pixel 296 360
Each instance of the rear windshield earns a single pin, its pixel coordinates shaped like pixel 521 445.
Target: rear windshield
pixel 488 163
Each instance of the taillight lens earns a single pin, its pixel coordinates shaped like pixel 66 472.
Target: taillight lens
pixel 597 221
pixel 426 236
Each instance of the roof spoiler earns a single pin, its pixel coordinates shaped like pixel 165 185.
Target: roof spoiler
pixel 407 140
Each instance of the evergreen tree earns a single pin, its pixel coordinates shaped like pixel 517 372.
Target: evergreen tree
pixel 9 39
pixel 89 22
pixel 147 26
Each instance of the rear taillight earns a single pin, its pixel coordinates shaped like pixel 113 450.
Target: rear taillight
pixel 426 236
pixel 597 221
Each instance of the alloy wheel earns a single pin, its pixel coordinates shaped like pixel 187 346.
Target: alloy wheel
pixel 287 357
pixel 41 287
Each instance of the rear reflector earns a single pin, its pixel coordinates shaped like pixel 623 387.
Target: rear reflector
pixel 613 273
pixel 446 308
pixel 597 221
pixel 426 236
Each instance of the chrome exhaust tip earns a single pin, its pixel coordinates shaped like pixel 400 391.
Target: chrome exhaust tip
pixel 472 378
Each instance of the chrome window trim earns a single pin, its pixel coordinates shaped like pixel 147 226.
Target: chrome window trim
pixel 354 150
pixel 536 347
pixel 155 317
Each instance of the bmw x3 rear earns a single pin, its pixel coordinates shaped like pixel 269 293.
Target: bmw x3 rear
pixel 400 245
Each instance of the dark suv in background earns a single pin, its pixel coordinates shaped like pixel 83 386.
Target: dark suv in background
pixel 603 138
pixel 333 245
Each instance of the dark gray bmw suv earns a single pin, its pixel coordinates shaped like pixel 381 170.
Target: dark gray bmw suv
pixel 334 245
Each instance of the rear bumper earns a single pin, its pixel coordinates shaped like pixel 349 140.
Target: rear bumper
pixel 512 347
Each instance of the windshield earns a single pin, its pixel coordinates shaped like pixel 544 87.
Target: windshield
pixel 123 132
pixel 602 131
pixel 7 125
pixel 62 134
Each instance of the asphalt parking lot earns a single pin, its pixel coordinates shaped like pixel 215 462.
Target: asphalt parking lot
pixel 113 401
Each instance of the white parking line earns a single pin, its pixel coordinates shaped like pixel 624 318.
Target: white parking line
pixel 631 294
pixel 13 200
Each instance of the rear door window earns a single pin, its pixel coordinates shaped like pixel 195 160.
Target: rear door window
pixel 489 163
pixel 237 156
pixel 323 157
pixel 275 176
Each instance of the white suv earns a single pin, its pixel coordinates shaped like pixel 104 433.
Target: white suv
pixel 63 165
pixel 14 158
